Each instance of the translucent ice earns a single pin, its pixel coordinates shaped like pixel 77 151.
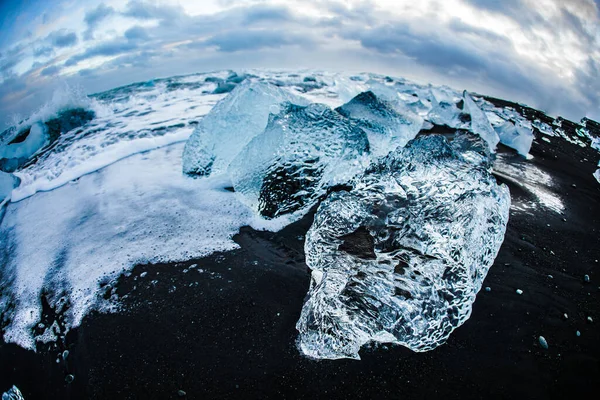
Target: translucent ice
pixel 302 151
pixel 231 124
pixel 386 123
pixel 480 125
pixel 401 257
pixel 13 394
pixel 516 136
pixel 444 109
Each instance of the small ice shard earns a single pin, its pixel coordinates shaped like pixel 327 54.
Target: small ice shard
pixel 578 333
pixel 565 316
pixel 543 342
pixel 519 291
pixel 13 394
pixel 385 122
pixel 400 257
pixel 516 136
pixel 590 319
pixel 480 125
pixel 181 393
pixel 597 175
pixel 444 109
pixel 231 124
pixel 302 151
pixel 488 289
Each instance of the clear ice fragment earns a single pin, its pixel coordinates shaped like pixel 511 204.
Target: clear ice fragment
pixel 302 151
pixel 401 256
pixel 13 394
pixel 515 136
pixel 385 122
pixel 231 124
pixel 480 125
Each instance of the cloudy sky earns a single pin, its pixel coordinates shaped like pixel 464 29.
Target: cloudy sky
pixel 544 53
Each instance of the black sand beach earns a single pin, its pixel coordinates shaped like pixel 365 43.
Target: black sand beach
pixel 224 326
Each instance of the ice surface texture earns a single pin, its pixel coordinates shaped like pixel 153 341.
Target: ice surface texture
pixel 13 394
pixel 231 124
pixel 480 125
pixel 302 151
pixel 387 124
pixel 401 257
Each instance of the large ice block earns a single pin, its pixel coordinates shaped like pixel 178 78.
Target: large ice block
pixel 231 124
pixel 302 151
pixel 401 257
pixel 387 124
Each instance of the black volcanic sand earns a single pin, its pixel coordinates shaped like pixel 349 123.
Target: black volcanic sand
pixel 224 326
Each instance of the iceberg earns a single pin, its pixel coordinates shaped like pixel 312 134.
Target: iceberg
pixel 387 125
pixel 231 124
pixel 401 256
pixel 302 151
pixel 480 125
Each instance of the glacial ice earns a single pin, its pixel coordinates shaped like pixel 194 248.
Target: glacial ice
pixel 516 136
pixel 386 123
pixel 13 394
pixel 480 124
pixel 401 256
pixel 302 151
pixel 231 124
pixel 444 109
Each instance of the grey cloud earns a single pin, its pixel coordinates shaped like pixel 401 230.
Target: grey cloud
pixel 111 48
pixel 62 38
pixel 136 33
pixel 144 11
pixel 49 71
pixel 240 40
pixel 94 17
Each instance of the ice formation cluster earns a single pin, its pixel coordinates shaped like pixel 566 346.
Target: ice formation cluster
pixel 408 225
pixel 409 217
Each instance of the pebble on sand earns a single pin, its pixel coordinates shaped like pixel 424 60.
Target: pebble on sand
pixel 543 342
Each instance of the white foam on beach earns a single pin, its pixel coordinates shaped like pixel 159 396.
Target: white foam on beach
pixel 139 210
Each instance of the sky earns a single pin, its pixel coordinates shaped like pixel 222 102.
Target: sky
pixel 544 53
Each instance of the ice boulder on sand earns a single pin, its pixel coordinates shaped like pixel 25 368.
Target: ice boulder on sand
pixel 302 151
pixel 387 124
pixel 401 256
pixel 231 124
